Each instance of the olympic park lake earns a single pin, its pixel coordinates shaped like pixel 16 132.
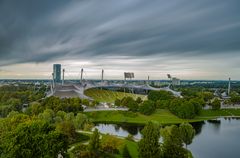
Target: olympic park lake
pixel 214 138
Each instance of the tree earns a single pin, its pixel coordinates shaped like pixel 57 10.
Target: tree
pixel 70 117
pixel 94 103
pixel 159 95
pixel 110 144
pixel 47 115
pixel 162 104
pixel 196 102
pixel 125 152
pixel 94 143
pixel 147 107
pixel 139 100
pixel 34 109
pixel 187 133
pixel 34 138
pixel 130 103
pixel 172 143
pixel 80 120
pixel 186 110
pixel 15 104
pixel 174 104
pixel 68 129
pixel 133 106
pixel 85 102
pixel 207 96
pixel 149 146
pixel 117 102
pixel 62 115
pixel 216 104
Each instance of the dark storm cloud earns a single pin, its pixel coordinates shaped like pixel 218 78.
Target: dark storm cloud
pixel 37 31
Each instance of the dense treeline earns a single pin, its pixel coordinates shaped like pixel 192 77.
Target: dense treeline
pixel 64 104
pixel 25 137
pixel 234 98
pixel 47 129
pixel 16 98
pixel 186 108
pixel 12 98
pixel 44 135
pixel 24 93
pixel 146 107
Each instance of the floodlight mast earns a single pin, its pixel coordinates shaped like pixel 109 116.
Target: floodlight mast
pixel 170 78
pixel 53 80
pixel 81 76
pixel 229 86
pixel 51 86
pixel 128 75
pixel 102 78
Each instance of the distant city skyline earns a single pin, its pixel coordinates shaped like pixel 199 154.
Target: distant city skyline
pixel 187 39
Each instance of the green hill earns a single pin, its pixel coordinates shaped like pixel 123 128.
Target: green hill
pixel 110 96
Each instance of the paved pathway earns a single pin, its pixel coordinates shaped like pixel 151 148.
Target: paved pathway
pixel 105 109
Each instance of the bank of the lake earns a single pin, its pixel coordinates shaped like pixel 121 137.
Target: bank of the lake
pixel 161 116
pixel 214 138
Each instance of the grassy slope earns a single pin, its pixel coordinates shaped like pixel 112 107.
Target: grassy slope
pixel 218 113
pixel 132 148
pixel 161 116
pixel 110 96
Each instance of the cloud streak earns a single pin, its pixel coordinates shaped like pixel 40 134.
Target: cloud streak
pixel 48 31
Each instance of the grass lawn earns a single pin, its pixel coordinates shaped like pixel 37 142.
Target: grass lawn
pixel 132 148
pixel 161 116
pixel 221 112
pixel 110 96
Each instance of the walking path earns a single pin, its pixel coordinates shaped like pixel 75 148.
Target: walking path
pixel 105 109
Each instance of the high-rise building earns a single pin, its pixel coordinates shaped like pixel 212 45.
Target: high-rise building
pixel 57 72
pixel 176 81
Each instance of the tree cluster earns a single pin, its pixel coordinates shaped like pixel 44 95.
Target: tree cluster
pixel 25 137
pixel 100 147
pixel 173 139
pixel 216 104
pixel 146 107
pixel 186 109
pixel 64 104
pixel 13 97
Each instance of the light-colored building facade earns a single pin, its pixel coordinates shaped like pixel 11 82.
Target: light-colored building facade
pixel 176 81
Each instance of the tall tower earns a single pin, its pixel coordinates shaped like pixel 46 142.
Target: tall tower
pixel 57 72
pixel 63 71
pixel 229 86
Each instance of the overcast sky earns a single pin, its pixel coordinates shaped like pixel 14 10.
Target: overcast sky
pixel 186 38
